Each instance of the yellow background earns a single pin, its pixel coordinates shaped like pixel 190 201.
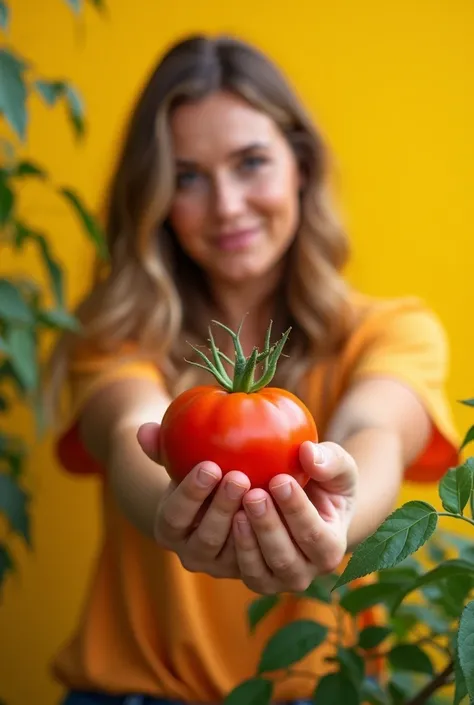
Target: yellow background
pixel 391 84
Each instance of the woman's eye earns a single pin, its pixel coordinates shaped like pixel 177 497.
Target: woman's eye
pixel 185 179
pixel 253 162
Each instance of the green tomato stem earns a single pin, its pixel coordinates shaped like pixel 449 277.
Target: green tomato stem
pixel 244 369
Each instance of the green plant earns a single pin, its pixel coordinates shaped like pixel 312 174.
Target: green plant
pixel 28 310
pixel 428 608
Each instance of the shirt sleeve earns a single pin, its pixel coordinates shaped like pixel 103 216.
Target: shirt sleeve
pixel 409 343
pixel 89 372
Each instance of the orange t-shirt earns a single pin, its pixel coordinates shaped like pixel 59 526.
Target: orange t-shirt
pixel 148 625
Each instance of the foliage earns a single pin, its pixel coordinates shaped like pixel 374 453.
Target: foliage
pixel 28 310
pixel 426 602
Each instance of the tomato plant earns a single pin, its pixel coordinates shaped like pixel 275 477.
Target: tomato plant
pixel 240 423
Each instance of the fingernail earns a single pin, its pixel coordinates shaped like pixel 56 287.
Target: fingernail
pixel 205 478
pixel 282 491
pixel 257 508
pixel 318 455
pixel 234 491
pixel 244 528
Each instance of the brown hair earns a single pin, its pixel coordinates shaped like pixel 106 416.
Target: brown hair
pixel 146 292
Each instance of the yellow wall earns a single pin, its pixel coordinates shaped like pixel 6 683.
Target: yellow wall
pixel 392 86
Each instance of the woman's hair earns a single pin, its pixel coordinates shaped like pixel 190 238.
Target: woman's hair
pixel 151 292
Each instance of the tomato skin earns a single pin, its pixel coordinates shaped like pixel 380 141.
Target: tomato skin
pixel 258 433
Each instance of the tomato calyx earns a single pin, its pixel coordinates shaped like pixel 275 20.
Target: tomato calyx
pixel 244 368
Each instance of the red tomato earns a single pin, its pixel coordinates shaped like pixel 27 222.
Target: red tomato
pixel 258 433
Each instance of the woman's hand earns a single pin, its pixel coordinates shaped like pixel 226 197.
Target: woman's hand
pixel 287 537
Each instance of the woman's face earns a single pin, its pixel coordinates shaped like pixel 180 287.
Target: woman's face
pixel 236 206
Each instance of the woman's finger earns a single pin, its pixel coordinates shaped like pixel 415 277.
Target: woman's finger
pixel 253 569
pixel 148 436
pixel 331 465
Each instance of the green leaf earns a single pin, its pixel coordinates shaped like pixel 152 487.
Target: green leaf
pixel 401 534
pixel 14 505
pixel 372 693
pixel 254 691
pixel 455 488
pixel 352 665
pixel 22 346
pixel 436 552
pixel 6 562
pixel 399 575
pixel 410 657
pixel 76 5
pixel 291 643
pixel 465 643
pixel 468 438
pixel 59 319
pixel 4 15
pixel 467 402
pixel 361 598
pixel 335 688
pixel 460 687
pixel 13 308
pixel 259 608
pixel 13 92
pixel 53 269
pixel 447 569
pixel 319 589
pixel 428 616
pixel 50 91
pixel 398 694
pixel 27 168
pixel 372 636
pixel 87 220
pixel 75 105
pixel 7 202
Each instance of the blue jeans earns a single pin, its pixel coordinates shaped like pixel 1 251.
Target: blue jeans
pixel 85 698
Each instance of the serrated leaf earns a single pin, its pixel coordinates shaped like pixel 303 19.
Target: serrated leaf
pixel 335 688
pixel 75 5
pixel 410 657
pixel 361 598
pixel 465 644
pixel 13 92
pixel 14 505
pixel 259 608
pixel 401 534
pixel 254 691
pixel 75 105
pixel 87 220
pixel 7 202
pixel 460 687
pixel 6 562
pixel 13 308
pixel 291 643
pixel 27 168
pixel 59 319
pixel 447 569
pixel 22 346
pixel 4 15
pixel 372 636
pixel 455 488
pixel 352 665
pixel 50 91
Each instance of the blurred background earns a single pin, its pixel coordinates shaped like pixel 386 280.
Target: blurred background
pixel 390 83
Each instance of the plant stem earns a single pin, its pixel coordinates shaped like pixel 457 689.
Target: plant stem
pixel 438 681
pixel 456 516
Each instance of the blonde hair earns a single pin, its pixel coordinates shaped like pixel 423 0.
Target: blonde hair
pixel 146 292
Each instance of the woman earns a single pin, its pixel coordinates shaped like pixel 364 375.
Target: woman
pixel 219 210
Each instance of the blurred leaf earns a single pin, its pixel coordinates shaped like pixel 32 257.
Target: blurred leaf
pixel 53 269
pixel 255 691
pixel 467 402
pixel 13 92
pixel 398 694
pixel 410 657
pixel 291 643
pixel 12 306
pixel 27 168
pixel 458 587
pixel 361 598
pixel 320 589
pixel 50 91
pixel 455 488
pixel 22 346
pixel 76 5
pixel 460 690
pixel 352 665
pixel 99 4
pixel 59 319
pixel 372 636
pixel 8 373
pixel 4 15
pixel 335 688
pixel 75 108
pixel 4 405
pixel 436 551
pixel 399 575
pixel 468 438
pixel 373 693
pixel 7 201
pixel 14 505
pixel 465 644
pixel 401 534
pixel 447 569
pixel 6 562
pixel 259 608
pixel 427 616
pixel 3 346
pixel 87 220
